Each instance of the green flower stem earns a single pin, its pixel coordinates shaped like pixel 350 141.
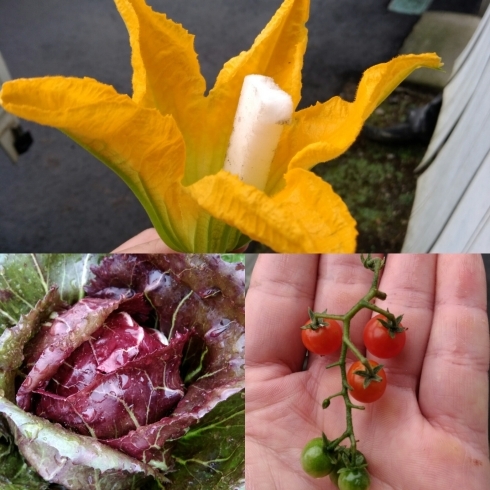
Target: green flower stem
pixel 376 265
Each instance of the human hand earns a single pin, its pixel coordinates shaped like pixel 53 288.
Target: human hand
pixel 147 241
pixel 430 428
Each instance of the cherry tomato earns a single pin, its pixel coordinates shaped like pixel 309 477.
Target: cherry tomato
pixel 314 460
pixel 334 474
pixel 379 341
pixel 354 479
pixel 374 390
pixel 324 340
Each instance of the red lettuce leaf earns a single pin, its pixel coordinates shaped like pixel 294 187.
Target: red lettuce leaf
pixel 68 331
pixel 187 291
pixel 199 298
pixel 108 388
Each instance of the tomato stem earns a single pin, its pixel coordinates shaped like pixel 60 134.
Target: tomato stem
pixel 375 264
pixel 337 441
pixel 377 309
pixel 317 316
pixel 326 402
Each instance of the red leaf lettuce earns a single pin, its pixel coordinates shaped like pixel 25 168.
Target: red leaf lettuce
pixel 155 345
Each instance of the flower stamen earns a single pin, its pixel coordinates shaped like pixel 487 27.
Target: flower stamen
pixel 263 110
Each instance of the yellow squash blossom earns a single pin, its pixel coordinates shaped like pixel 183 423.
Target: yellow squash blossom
pixel 168 141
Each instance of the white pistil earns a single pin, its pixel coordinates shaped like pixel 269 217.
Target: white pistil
pixel 263 110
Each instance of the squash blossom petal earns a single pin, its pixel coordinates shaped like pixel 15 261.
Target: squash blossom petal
pixel 168 141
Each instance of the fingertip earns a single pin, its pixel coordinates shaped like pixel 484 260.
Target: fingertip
pixel 148 241
pixel 281 290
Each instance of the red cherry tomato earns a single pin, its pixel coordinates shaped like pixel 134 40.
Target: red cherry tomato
pixel 378 340
pixel 323 340
pixel 374 390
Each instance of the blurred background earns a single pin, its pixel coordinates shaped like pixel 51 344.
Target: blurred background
pixel 58 198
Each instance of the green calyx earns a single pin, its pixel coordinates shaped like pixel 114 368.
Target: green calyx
pixel 344 460
pixel 369 377
pixel 394 326
pixel 316 321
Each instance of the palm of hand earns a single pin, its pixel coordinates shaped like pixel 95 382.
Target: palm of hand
pixel 429 428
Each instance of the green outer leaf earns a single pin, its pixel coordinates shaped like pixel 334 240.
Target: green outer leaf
pixel 21 286
pixel 15 474
pixel 69 459
pixel 13 339
pixel 26 278
pixel 7 385
pixel 70 272
pixel 217 460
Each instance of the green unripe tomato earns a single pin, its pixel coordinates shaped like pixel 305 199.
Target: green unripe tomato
pixel 314 460
pixel 334 474
pixel 354 479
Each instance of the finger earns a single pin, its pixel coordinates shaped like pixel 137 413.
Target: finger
pixel 454 384
pixel 409 282
pixel 148 241
pixel 342 282
pixel 281 290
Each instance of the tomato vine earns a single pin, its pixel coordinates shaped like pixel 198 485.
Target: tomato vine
pixel 364 382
